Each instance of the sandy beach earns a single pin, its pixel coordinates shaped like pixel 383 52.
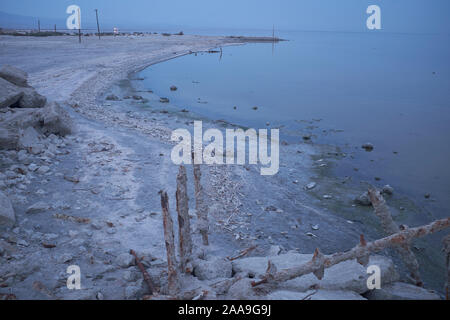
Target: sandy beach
pixel 97 196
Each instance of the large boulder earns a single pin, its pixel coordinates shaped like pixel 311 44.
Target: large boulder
pixel 213 269
pixel 9 93
pixel 314 295
pixel 401 291
pixel 31 99
pixel 50 119
pixel 55 120
pixel 14 75
pixel 347 275
pixel 7 215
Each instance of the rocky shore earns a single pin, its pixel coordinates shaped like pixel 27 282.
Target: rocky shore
pixel 79 182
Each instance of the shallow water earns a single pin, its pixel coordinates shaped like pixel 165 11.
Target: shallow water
pixel 343 88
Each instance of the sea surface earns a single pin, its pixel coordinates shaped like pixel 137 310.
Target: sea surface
pixel 345 89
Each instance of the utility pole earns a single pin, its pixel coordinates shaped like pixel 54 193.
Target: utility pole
pixel 98 26
pixel 79 26
pixel 55 28
pixel 39 25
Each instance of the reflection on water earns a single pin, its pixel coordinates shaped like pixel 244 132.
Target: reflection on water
pixel 344 88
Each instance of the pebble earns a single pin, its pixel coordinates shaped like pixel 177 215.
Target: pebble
pixel 38 207
pixel 43 170
pixel 125 260
pixel 311 186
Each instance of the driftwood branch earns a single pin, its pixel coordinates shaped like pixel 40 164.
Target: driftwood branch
pixel 170 245
pixel 242 253
pixel 147 278
pixel 184 226
pixel 390 227
pixel 319 262
pixel 202 210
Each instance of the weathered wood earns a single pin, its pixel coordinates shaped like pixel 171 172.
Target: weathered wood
pixel 242 253
pixel 173 285
pixel 184 225
pixel 200 207
pixel 390 227
pixel 320 262
pixel 147 278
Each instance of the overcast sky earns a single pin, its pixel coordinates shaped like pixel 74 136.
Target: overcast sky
pixel 422 16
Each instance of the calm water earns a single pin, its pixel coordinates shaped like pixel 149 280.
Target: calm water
pixel 392 90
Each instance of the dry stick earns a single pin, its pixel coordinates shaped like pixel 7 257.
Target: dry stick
pixel 446 250
pixel 390 227
pixel 147 278
pixel 184 226
pixel 242 253
pixel 202 210
pixel 320 261
pixel 170 244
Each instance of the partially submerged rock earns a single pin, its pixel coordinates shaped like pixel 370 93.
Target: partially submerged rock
pixel 387 189
pixel 363 199
pixel 401 291
pixel 7 215
pixel 367 146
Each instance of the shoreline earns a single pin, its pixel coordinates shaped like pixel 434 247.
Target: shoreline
pixel 128 138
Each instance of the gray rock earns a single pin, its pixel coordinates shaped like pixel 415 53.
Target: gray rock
pixel 7 215
pixel 8 138
pixel 129 276
pixel 213 269
pixel 33 167
pixel 43 170
pixel 37 207
pixel 401 291
pixel 363 199
pixel 367 146
pixel 112 97
pixel 387 189
pixel 125 260
pixel 242 290
pixel 14 75
pixel 314 295
pixel 31 99
pixel 131 292
pixel 29 139
pixel 310 186
pixel 56 120
pixel 9 94
pixel 274 250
